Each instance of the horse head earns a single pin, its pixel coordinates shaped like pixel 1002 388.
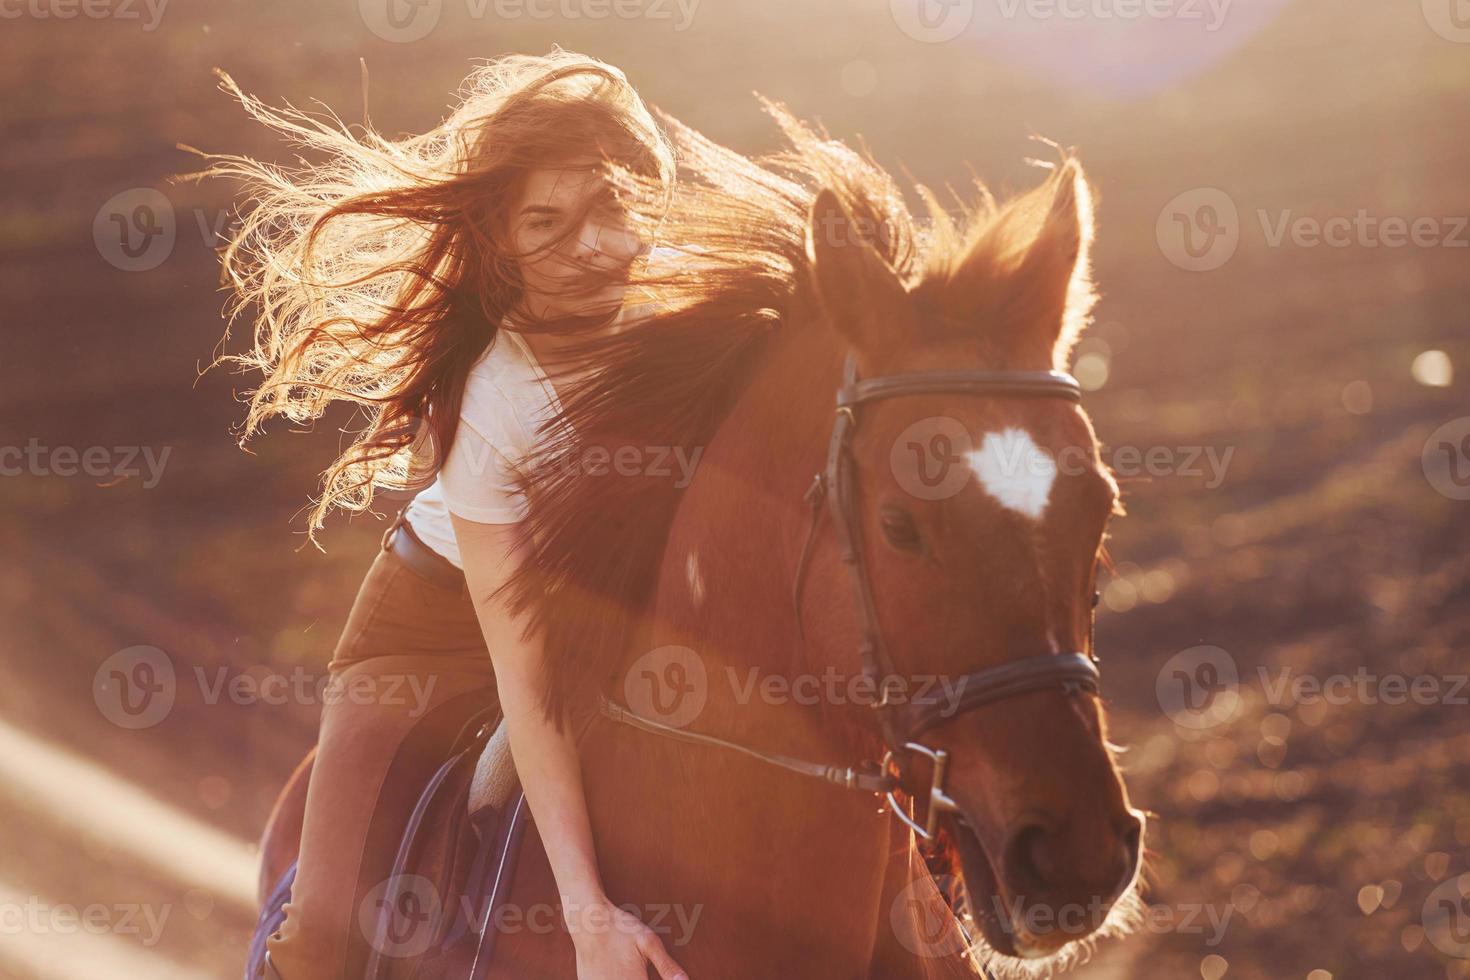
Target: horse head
pixel 978 515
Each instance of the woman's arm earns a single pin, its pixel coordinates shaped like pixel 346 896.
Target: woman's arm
pixel 611 944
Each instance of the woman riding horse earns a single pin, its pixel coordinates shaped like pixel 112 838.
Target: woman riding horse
pixel 438 282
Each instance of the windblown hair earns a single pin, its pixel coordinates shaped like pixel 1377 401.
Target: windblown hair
pixel 379 275
pixel 740 226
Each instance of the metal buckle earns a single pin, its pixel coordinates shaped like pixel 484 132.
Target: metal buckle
pixel 939 801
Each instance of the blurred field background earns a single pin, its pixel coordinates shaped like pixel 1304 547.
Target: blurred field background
pixel 1325 840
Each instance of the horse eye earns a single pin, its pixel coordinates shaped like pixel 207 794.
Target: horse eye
pixel 899 529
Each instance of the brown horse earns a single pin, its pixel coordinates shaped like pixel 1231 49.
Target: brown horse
pixel 971 550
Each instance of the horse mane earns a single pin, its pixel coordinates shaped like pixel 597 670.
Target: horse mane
pixel 593 542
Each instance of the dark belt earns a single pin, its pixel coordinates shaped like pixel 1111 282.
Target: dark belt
pixel 408 548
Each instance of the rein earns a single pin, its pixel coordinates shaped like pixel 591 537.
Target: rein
pixel 862 779
pixel 900 723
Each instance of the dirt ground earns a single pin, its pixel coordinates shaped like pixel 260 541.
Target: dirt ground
pixel 1297 518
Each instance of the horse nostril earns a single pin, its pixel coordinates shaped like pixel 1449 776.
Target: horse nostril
pixel 1133 840
pixel 1132 846
pixel 1028 858
pixel 1035 863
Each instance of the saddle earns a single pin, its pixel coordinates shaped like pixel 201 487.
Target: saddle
pixel 495 780
pixel 452 874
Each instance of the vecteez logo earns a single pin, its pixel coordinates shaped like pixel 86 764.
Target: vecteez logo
pixel 1446 917
pixel 1199 688
pixel 400 21
pixel 135 229
pixel 1199 230
pixel 932 21
pixel 669 684
pixel 135 688
pixel 401 916
pixel 1450 19
pixel 922 921
pixel 1446 459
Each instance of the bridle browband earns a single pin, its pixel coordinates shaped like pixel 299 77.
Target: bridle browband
pixel 901 722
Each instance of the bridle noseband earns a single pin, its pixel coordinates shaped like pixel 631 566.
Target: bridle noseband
pixel 902 722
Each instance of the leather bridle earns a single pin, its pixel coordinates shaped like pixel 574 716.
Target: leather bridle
pixel 901 721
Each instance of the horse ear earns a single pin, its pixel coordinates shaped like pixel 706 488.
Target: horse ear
pixel 862 296
pixel 1030 271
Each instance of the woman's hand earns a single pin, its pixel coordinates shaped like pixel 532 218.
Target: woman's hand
pixel 614 944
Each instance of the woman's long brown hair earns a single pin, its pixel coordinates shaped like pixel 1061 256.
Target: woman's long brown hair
pixel 378 275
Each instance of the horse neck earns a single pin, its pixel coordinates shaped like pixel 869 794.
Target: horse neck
pixel 767 850
pixel 730 566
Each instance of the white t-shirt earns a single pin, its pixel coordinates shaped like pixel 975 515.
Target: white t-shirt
pixel 507 400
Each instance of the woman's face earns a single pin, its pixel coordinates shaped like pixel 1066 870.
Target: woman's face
pixel 573 241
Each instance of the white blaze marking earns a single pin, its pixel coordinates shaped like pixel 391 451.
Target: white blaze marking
pixel 1015 471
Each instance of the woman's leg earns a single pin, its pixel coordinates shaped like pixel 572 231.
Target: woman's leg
pixel 410 669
